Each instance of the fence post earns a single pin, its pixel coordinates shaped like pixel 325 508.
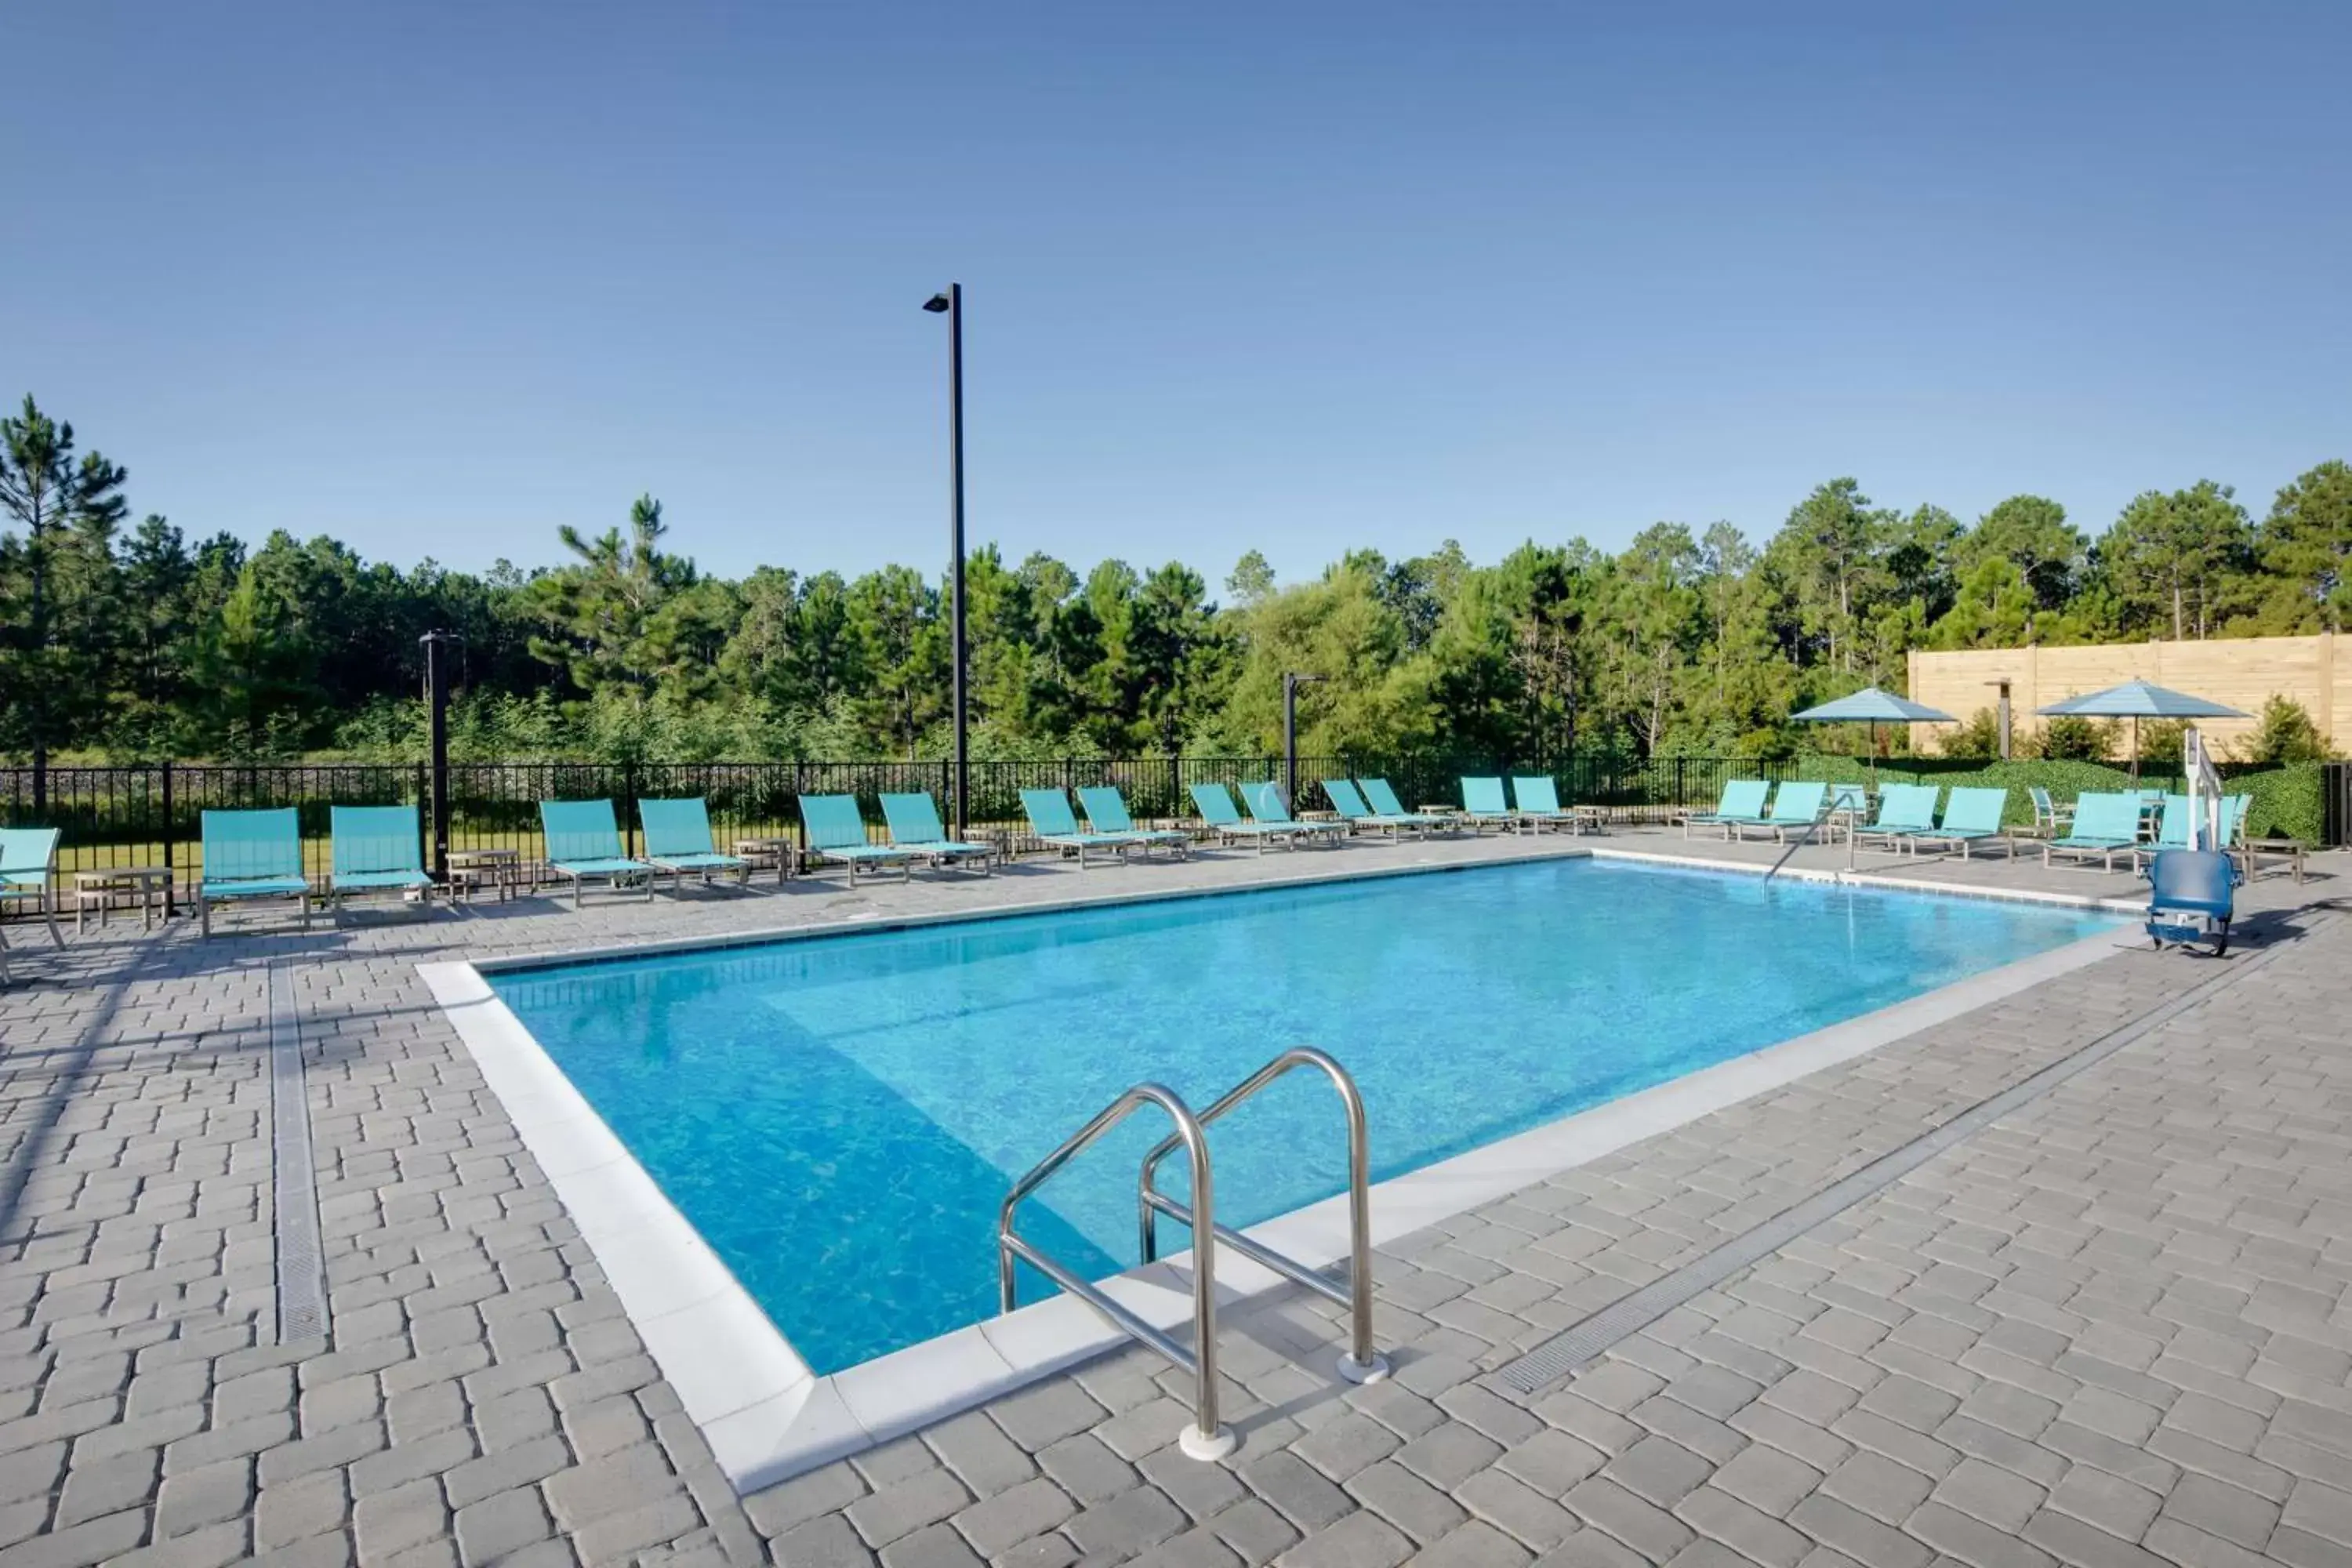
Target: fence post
pixel 800 817
pixel 434 844
pixel 171 893
pixel 436 686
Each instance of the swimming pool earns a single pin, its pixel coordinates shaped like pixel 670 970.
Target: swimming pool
pixel 838 1117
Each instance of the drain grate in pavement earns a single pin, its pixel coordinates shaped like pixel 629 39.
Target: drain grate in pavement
pixel 1581 1343
pixel 294 1181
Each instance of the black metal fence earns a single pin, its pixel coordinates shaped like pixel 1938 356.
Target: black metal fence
pixel 152 816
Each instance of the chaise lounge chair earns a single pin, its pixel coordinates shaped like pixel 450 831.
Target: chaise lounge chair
pixel 916 827
pixel 1384 800
pixel 1105 809
pixel 376 849
pixel 1483 803
pixel 678 840
pixel 28 864
pixel 1538 801
pixel 1972 816
pixel 1265 804
pixel 1796 804
pixel 582 844
pixel 1224 819
pixel 252 855
pixel 837 832
pixel 1902 810
pixel 1359 814
pixel 1742 802
pixel 2105 823
pixel 1052 822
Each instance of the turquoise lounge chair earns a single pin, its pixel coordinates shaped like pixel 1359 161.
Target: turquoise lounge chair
pixel 2174 822
pixel 836 832
pixel 252 855
pixel 916 827
pixel 1902 810
pixel 1358 814
pixel 1052 822
pixel 1538 801
pixel 583 843
pixel 678 840
pixel 376 848
pixel 28 865
pixel 2105 823
pixel 2050 818
pixel 1384 800
pixel 1483 803
pixel 1105 809
pixel 1224 819
pixel 1797 805
pixel 1742 802
pixel 1265 804
pixel 1972 816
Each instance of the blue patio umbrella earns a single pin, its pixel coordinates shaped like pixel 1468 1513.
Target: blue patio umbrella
pixel 2137 699
pixel 1873 706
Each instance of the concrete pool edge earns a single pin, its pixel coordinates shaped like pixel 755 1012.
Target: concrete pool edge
pixel 768 1417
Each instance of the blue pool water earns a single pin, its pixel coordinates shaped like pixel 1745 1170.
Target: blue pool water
pixel 840 1117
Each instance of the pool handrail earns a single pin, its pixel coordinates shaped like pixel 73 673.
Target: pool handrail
pixel 1206 1439
pixel 1362 1363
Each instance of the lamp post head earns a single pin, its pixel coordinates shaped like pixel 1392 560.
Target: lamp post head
pixel 936 304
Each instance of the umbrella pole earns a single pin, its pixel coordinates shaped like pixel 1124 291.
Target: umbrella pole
pixel 2135 748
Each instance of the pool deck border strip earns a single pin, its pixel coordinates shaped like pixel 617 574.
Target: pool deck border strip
pixel 293 1176
pixel 1583 1342
pixel 767 1415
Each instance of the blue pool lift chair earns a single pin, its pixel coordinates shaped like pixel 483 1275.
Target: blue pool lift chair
pixel 1106 812
pixel 2191 895
pixel 678 840
pixel 1051 823
pixel 29 866
pixel 1357 813
pixel 1384 800
pixel 1742 800
pixel 837 832
pixel 1266 806
pixel 916 827
pixel 2105 823
pixel 585 845
pixel 1224 819
pixel 252 855
pixel 377 848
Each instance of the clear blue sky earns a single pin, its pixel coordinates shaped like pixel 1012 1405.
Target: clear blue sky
pixel 435 277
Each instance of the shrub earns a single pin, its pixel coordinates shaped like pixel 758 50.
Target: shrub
pixel 1979 737
pixel 2067 739
pixel 2285 734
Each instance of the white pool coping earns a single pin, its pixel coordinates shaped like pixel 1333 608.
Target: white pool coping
pixel 767 1415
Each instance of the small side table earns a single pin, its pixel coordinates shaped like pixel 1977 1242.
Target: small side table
pixel 148 884
pixel 1590 818
pixel 472 870
pixel 2292 849
pixel 777 850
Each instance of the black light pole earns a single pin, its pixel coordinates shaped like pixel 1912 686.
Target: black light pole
pixel 951 302
pixel 1290 685
pixel 436 695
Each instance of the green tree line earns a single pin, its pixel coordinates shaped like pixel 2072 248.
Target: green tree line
pixel 124 641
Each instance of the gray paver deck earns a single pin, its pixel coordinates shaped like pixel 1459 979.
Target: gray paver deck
pixel 2112 1327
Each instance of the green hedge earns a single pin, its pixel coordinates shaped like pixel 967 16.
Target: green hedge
pixel 2286 800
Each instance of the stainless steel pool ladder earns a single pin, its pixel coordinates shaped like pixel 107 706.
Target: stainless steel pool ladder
pixel 1206 1438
